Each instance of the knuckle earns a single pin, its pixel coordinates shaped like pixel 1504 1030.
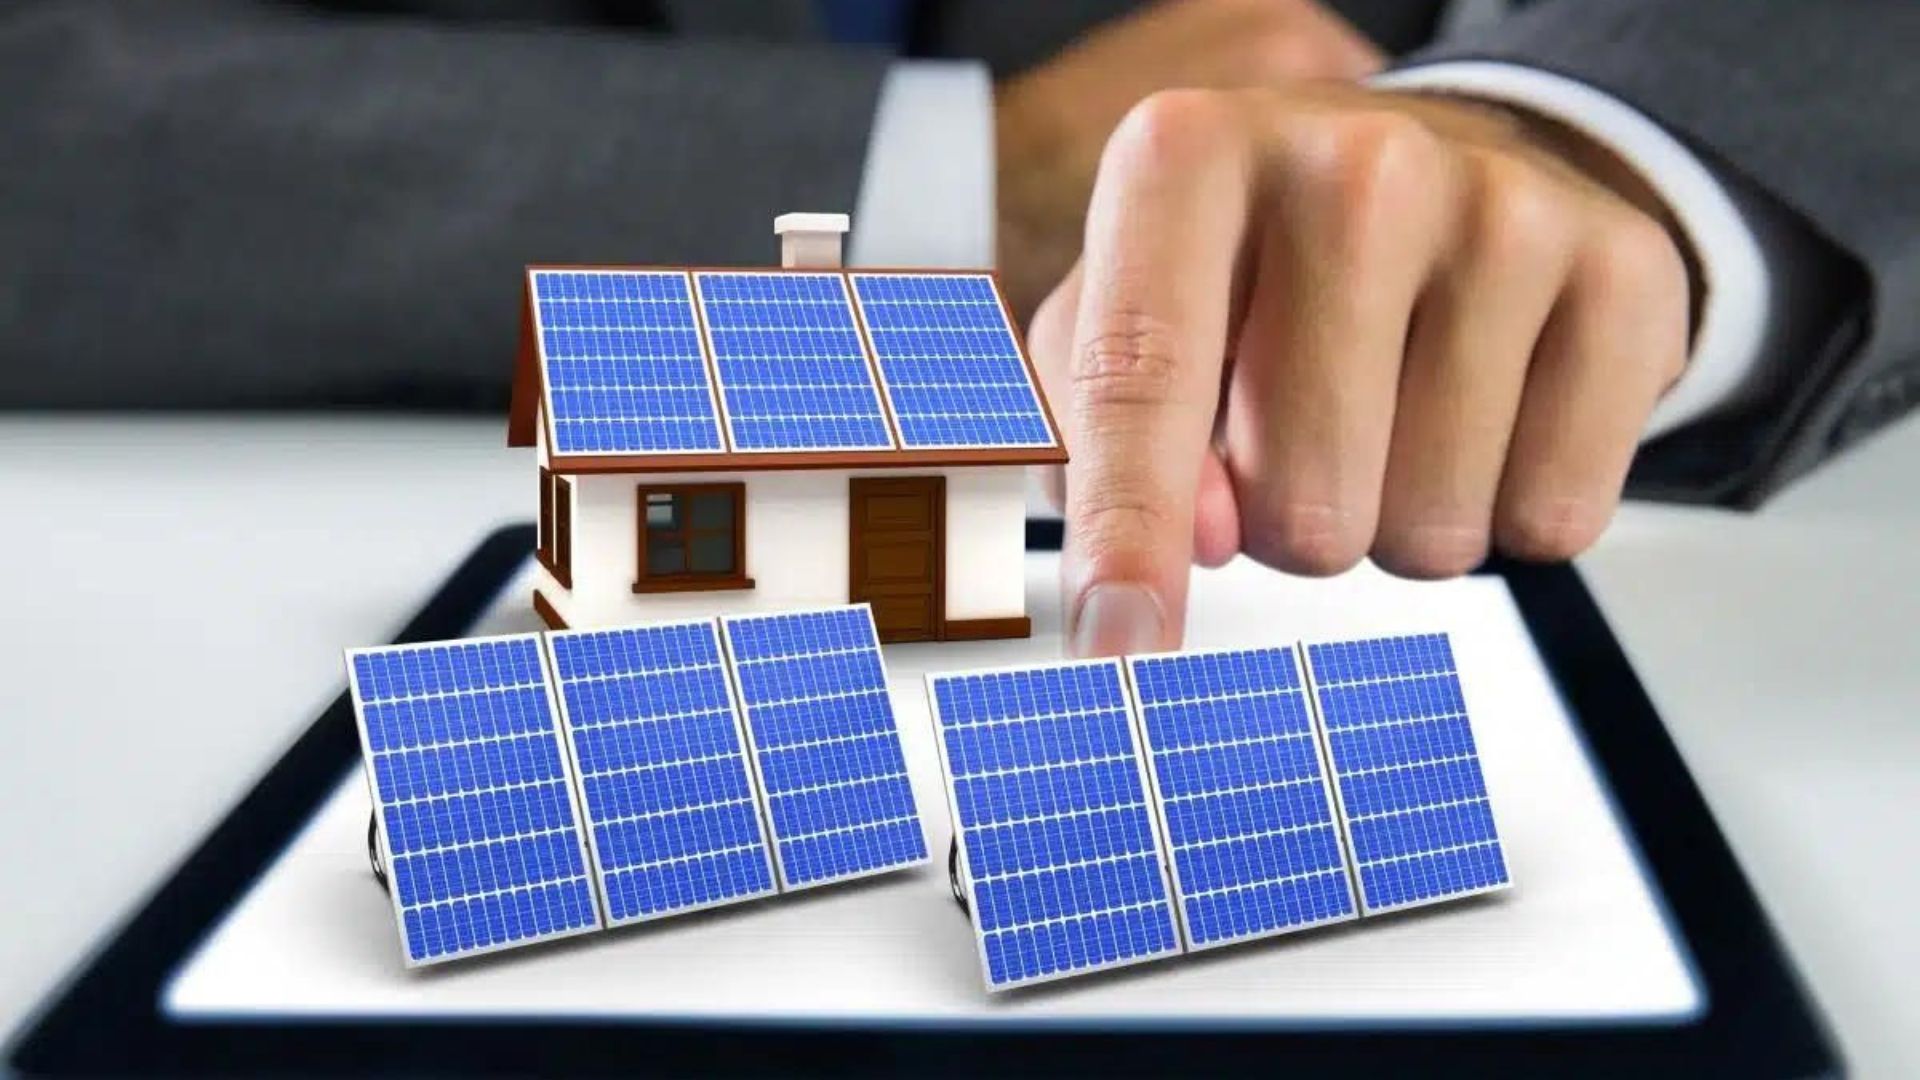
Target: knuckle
pixel 1432 550
pixel 1132 363
pixel 1373 154
pixel 1365 174
pixel 1516 215
pixel 1173 129
pixel 1317 539
pixel 1113 514
pixel 1551 529
pixel 1634 254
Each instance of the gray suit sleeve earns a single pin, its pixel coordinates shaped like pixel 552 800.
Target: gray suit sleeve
pixel 1806 111
pixel 227 204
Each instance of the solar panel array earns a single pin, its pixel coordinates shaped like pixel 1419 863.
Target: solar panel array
pixel 704 362
pixel 1250 794
pixel 474 796
pixel 821 723
pixel 541 785
pixel 624 368
pixel 1237 770
pixel 1407 773
pixel 789 363
pixel 1052 812
pixel 952 369
pixel 669 800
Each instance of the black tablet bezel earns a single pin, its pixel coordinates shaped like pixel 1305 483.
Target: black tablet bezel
pixel 1758 1020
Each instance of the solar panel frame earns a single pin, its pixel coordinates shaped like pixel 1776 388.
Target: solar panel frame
pixel 1335 819
pixel 1318 684
pixel 755 752
pixel 715 404
pixel 569 779
pixel 1159 846
pixel 1031 381
pixel 718 364
pixel 755 791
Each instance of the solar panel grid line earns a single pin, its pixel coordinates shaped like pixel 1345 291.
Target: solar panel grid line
pixel 955 324
pixel 473 866
pixel 1094 924
pixel 802 379
pixel 1419 831
pixel 633 702
pixel 833 782
pixel 1278 863
pixel 624 365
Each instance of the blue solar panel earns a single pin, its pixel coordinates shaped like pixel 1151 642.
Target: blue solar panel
pixel 474 796
pixel 1236 769
pixel 825 743
pixel 1063 863
pixel 948 358
pixel 792 371
pixel 1409 780
pixel 625 373
pixel 674 819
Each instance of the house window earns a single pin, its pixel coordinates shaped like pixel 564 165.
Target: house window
pixel 692 536
pixel 555 550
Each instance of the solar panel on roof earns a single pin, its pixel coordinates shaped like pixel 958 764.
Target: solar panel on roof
pixel 1237 775
pixel 623 365
pixel 473 795
pixel 792 372
pixel 825 744
pixel 1062 860
pixel 949 361
pixel 1407 774
pixel 674 821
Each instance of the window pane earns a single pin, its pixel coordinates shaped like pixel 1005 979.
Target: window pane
pixel 666 557
pixel 712 510
pixel 660 512
pixel 713 553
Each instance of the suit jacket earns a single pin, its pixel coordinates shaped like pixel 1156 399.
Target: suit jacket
pixel 246 203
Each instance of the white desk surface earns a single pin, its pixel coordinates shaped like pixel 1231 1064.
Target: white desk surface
pixel 153 559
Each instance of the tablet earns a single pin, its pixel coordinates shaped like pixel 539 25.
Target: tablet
pixel 1629 939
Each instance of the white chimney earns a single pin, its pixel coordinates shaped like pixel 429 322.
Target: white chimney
pixel 810 240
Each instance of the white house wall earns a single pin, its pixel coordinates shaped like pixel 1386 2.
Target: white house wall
pixel 796 545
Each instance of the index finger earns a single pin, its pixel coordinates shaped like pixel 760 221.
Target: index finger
pixel 1164 231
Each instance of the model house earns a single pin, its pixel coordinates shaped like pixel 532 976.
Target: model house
pixel 722 441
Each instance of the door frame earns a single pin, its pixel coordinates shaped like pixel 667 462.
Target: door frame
pixel 856 535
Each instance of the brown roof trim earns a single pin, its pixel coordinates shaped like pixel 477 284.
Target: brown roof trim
pixel 771 461
pixel 523 408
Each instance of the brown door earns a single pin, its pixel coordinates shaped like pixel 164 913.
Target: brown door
pixel 898 543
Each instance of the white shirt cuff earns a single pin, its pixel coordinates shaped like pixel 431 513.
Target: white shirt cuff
pixel 1738 289
pixel 926 195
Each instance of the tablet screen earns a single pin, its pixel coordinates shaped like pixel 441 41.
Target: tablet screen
pixel 1582 935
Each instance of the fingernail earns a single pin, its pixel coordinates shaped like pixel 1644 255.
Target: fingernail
pixel 1117 619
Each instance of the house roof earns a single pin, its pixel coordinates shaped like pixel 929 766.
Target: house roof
pixel 677 369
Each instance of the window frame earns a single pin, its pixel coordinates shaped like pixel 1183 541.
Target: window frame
pixel 689 580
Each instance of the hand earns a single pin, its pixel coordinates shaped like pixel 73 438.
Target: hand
pixel 1051 122
pixel 1316 323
